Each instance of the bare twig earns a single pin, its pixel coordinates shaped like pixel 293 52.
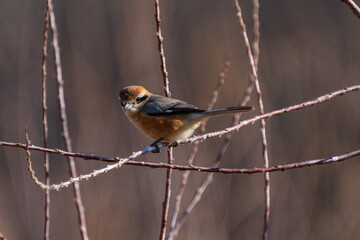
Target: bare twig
pixel 2 237
pixel 167 94
pixel 161 49
pixel 122 161
pixel 303 105
pixel 355 8
pixel 45 126
pixel 32 172
pixel 65 129
pixel 196 144
pixel 277 168
pixel 256 43
pixel 307 163
pixel 166 202
pixel 256 50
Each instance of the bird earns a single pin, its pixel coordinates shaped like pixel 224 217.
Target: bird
pixel 166 119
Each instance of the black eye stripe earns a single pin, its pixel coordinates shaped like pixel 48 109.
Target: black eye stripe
pixel 140 99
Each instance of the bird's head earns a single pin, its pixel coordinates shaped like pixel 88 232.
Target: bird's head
pixel 133 98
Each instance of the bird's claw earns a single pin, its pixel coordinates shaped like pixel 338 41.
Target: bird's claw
pixel 157 144
pixel 157 148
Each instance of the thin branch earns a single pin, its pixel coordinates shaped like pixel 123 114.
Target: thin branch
pixel 167 94
pixel 285 167
pixel 303 105
pixel 256 50
pixel 307 163
pixel 199 168
pixel 45 127
pixel 161 49
pixel 166 202
pixel 355 8
pixel 32 172
pixel 256 43
pixel 65 129
pixel 122 161
pixel 195 147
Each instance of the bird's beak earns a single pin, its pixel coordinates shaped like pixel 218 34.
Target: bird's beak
pixel 126 106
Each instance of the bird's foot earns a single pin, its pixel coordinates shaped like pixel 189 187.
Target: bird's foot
pixel 157 144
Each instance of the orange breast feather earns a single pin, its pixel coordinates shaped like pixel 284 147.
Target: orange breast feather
pixel 168 127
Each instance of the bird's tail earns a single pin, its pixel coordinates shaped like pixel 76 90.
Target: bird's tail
pixel 227 110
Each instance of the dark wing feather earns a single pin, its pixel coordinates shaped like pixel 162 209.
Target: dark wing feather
pixel 163 106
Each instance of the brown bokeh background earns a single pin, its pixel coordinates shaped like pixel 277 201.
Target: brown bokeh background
pixel 308 48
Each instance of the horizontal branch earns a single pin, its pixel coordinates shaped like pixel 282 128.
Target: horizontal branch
pixel 307 163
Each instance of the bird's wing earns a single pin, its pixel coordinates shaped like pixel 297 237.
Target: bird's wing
pixel 163 106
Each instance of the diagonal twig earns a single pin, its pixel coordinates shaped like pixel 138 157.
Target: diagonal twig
pixel 196 144
pixel 208 179
pixel 355 8
pixel 300 106
pixel 65 129
pixel 254 68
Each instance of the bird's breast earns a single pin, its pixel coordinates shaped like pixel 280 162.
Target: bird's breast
pixel 171 128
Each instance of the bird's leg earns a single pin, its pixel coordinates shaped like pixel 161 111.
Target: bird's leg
pixel 156 145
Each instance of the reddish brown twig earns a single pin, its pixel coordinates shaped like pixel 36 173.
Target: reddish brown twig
pixel 65 129
pixel 166 202
pixel 195 147
pixel 307 163
pixel 45 125
pixel 161 49
pixel 355 8
pixel 277 168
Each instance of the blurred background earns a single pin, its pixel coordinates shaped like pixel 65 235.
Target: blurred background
pixel 308 48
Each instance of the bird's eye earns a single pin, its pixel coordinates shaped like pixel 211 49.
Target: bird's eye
pixel 141 98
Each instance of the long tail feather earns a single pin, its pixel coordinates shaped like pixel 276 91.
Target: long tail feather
pixel 227 110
